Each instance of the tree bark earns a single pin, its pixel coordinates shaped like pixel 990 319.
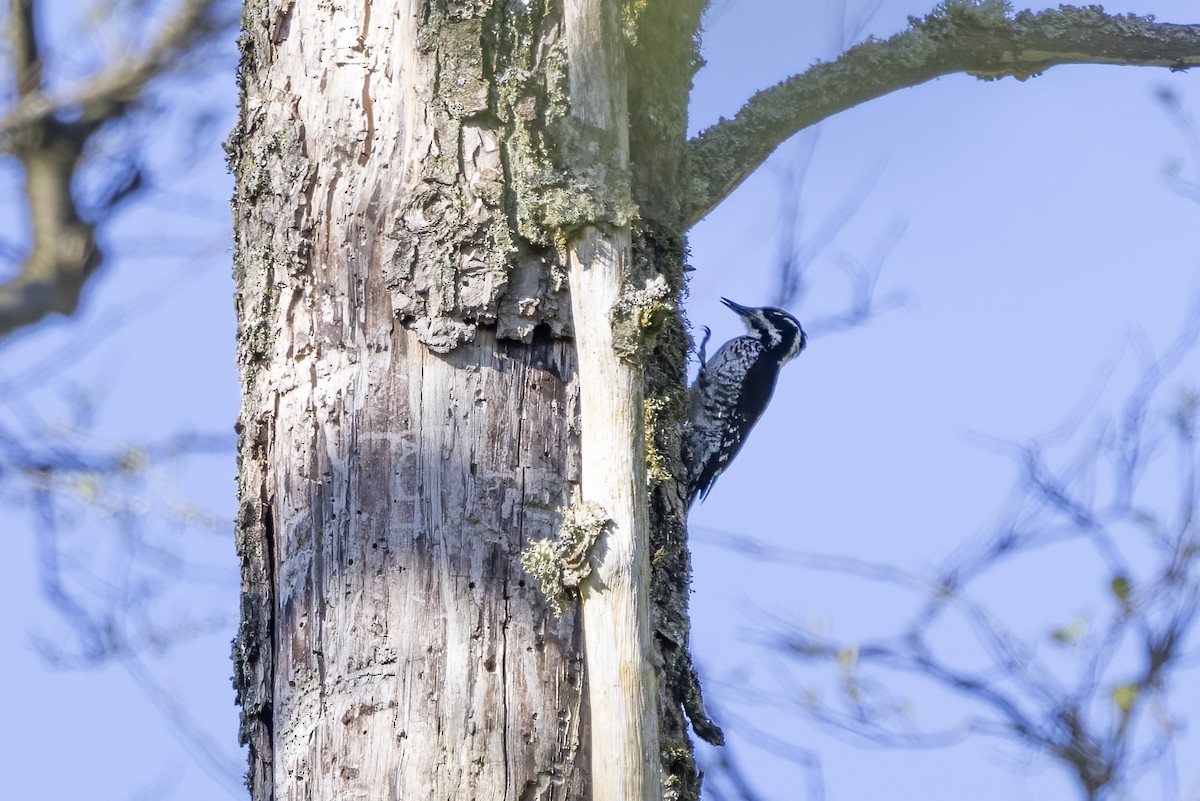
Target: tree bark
pixel 416 186
pixel 391 645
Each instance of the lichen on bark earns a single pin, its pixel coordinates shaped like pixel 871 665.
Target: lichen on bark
pixel 505 178
pixel 560 564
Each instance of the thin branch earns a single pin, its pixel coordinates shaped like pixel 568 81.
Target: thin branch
pixel 199 744
pixel 977 38
pixel 1093 725
pixel 761 550
pixel 729 768
pixel 26 59
pixel 798 255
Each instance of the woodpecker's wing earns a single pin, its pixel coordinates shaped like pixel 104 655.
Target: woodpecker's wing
pixel 723 411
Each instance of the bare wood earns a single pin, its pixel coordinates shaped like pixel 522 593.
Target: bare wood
pixel 981 40
pixel 622 681
pixel 622 684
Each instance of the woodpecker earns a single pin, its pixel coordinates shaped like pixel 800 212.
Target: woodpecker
pixel 733 389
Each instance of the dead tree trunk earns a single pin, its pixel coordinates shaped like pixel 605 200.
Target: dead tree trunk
pixel 411 179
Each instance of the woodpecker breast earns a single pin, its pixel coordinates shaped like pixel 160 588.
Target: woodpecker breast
pixel 733 388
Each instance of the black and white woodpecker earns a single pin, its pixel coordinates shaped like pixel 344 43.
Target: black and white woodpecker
pixel 733 389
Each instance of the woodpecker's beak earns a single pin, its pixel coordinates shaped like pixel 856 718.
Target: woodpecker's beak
pixel 744 311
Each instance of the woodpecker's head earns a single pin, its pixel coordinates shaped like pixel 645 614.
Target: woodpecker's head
pixel 779 332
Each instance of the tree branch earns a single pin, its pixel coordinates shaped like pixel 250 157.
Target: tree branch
pixel 979 38
pixel 26 59
pixel 108 93
pixel 62 251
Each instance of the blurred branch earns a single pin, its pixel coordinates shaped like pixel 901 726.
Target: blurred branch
pixel 104 587
pixel 727 777
pixel 1185 123
pixel 110 92
pixel 798 255
pixel 48 133
pixel 1105 717
pixel 225 771
pixel 977 38
pixel 862 279
pixel 103 636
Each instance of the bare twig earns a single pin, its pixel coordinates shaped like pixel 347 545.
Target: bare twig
pixel 798 254
pixel 224 770
pixel 1106 717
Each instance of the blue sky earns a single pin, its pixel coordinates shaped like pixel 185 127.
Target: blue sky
pixel 1042 251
